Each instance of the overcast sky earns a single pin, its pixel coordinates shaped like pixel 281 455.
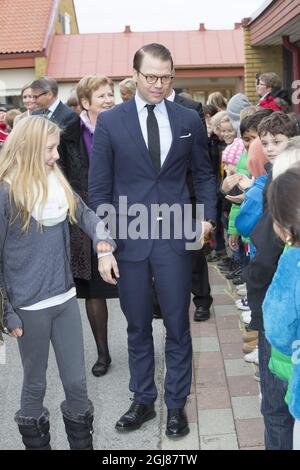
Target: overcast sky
pixel 95 16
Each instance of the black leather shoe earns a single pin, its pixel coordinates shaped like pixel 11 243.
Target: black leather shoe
pixel 101 366
pixel 201 314
pixel 137 415
pixel 177 423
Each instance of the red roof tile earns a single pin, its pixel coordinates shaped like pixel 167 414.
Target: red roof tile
pixel 25 25
pixel 111 54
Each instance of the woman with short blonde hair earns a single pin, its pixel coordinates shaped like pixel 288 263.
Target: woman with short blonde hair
pixel 96 95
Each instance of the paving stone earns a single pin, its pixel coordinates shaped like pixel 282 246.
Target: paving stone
pixel 246 407
pixel 208 360
pixel 221 442
pixel 191 409
pixel 242 386
pixel 228 322
pixel 215 290
pixel 225 310
pixel 230 336
pixel 216 422
pixel 252 448
pixel 199 329
pixel 210 378
pixel 223 299
pixel 235 367
pixel 232 351
pixel 189 442
pixel 213 398
pixel 250 432
pixel 205 344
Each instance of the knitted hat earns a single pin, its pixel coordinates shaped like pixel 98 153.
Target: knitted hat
pixel 233 152
pixel 235 105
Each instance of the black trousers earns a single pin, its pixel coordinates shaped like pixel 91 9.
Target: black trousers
pixel 200 281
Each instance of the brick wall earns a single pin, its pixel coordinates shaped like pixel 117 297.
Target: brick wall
pixel 260 59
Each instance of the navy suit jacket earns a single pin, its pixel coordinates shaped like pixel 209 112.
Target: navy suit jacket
pixel 121 166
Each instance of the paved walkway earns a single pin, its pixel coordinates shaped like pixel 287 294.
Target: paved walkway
pixel 223 408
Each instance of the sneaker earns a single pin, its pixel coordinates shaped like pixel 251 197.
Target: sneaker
pixel 237 281
pixel 250 346
pixel 250 335
pixel 242 292
pixel 212 257
pixel 224 262
pixel 252 357
pixel 257 376
pixel 242 304
pixel 246 317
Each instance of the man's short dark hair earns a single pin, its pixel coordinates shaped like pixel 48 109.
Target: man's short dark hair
pixel 45 84
pixel 156 50
pixel 278 123
pixel 253 121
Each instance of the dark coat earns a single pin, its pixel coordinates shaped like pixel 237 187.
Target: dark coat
pixel 69 123
pixel 261 269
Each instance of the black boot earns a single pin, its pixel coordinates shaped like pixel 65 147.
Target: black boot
pixel 34 431
pixel 79 427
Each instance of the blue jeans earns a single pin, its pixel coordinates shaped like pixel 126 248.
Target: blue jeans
pixel 279 423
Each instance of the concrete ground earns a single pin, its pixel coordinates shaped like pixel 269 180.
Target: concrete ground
pixel 223 407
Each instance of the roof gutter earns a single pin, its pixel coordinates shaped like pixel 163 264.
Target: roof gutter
pixel 51 24
pixel 257 13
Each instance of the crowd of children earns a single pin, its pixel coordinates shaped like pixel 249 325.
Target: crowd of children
pixel 259 181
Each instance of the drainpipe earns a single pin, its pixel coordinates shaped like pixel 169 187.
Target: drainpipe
pixel 296 62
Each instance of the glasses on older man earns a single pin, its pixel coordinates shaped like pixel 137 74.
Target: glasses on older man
pixel 151 79
pixel 35 97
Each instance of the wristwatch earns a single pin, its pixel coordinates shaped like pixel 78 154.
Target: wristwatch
pixel 212 223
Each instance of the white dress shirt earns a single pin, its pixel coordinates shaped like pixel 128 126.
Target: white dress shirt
pixel 161 114
pixel 52 108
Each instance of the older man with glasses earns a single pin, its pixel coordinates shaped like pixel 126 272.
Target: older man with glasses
pixel 45 94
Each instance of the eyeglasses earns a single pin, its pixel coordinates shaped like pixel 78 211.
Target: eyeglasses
pixel 151 79
pixel 261 84
pixel 35 97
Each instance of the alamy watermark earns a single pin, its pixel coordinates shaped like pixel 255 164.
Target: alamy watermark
pixel 296 93
pixel 154 221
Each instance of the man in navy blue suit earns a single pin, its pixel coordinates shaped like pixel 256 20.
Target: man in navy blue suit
pixel 142 149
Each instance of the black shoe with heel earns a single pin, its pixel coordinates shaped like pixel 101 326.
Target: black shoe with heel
pixel 101 366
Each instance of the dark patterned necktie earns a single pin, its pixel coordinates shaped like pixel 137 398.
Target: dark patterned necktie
pixel 153 137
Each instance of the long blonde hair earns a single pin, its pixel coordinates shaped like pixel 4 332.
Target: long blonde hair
pixel 22 165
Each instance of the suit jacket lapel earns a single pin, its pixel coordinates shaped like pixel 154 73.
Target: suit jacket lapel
pixel 174 119
pixel 132 123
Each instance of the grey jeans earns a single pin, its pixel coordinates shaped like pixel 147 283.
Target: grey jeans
pixel 62 326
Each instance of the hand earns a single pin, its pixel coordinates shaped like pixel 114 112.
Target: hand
pixel 230 182
pixel 104 247
pixel 233 242
pixel 245 182
pixel 16 332
pixel 207 228
pixel 108 266
pixel 236 199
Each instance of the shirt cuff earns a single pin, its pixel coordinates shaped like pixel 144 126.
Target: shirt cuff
pixel 101 255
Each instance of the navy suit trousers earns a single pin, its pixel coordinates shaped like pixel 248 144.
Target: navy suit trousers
pixel 173 278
